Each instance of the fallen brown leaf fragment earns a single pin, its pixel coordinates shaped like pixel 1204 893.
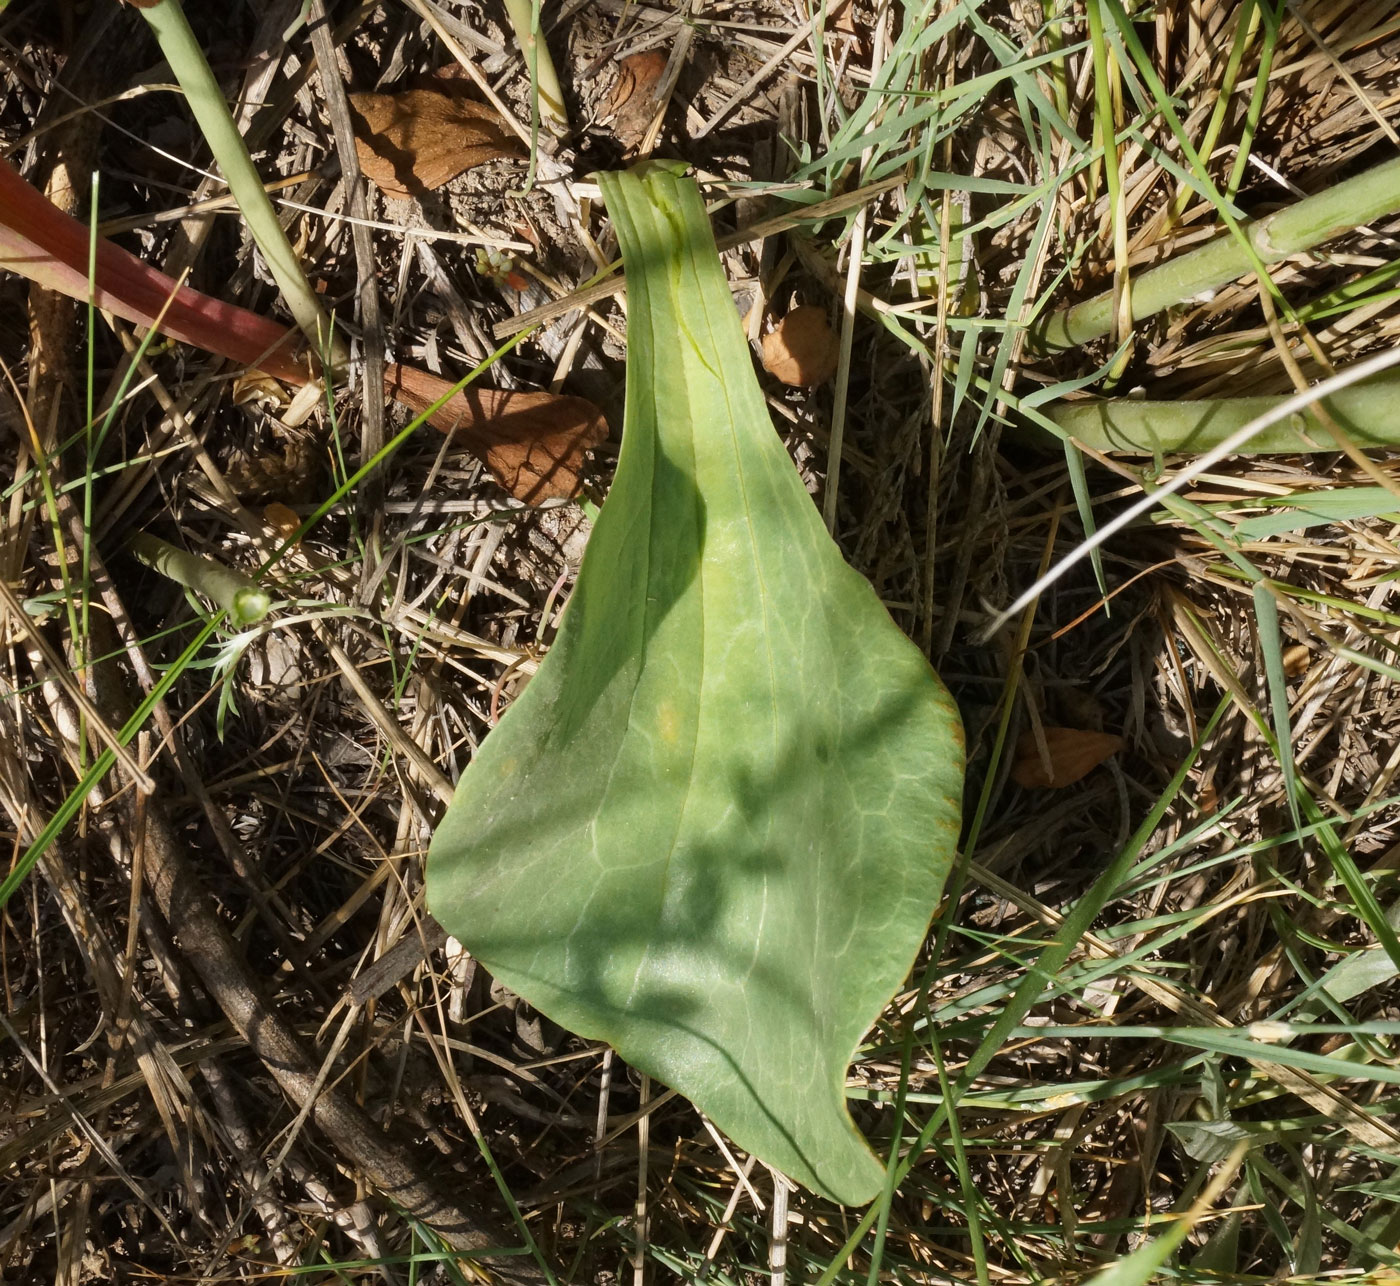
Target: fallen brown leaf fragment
pixel 1073 754
pixel 533 443
pixel 802 349
pixel 253 387
pixel 632 103
pixel 283 517
pixel 413 142
pixel 849 24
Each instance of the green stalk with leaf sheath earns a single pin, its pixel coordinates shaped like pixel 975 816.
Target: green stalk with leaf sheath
pixel 713 829
pixel 1290 231
pixel 1366 412
pixel 245 601
pixel 524 16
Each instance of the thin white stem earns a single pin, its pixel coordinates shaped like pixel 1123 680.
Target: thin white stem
pixel 639 1228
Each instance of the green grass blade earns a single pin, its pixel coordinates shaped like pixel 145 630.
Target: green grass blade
pixel 1319 508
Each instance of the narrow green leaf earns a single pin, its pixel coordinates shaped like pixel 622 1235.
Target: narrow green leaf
pixel 714 828
pixel 1320 508
pixel 1307 1245
pixel 1353 976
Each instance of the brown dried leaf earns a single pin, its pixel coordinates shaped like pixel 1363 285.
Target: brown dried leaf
pixel 533 443
pixel 802 348
pixel 849 24
pixel 415 141
pixel 283 518
pixel 632 103
pixel 1074 753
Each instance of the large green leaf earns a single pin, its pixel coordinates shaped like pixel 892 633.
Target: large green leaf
pixel 713 829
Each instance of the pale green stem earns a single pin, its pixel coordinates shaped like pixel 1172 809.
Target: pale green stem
pixel 1364 411
pixel 1290 231
pixel 245 601
pixel 524 16
pixel 206 100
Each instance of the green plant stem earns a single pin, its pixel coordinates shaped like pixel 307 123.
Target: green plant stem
pixel 524 17
pixel 1290 231
pixel 1365 411
pixel 245 601
pixel 211 113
